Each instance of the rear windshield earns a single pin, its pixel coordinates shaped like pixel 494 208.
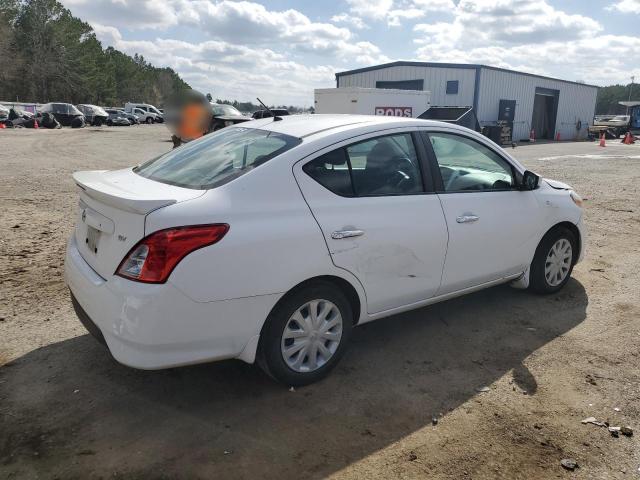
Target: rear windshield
pixel 217 158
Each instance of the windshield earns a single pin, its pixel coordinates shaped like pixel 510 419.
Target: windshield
pixel 71 110
pixel 217 158
pixel 225 110
pixel 154 110
pixel 98 110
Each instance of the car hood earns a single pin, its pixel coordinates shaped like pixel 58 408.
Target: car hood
pixel 557 185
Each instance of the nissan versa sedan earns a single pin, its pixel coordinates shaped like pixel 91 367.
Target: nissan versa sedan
pixel 268 242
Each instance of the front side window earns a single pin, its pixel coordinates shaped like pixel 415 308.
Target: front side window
pixel 467 165
pixel 217 158
pixel 380 166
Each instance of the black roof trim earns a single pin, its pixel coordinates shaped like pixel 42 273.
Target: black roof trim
pixel 464 66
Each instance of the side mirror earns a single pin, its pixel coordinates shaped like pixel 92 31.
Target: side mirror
pixel 529 181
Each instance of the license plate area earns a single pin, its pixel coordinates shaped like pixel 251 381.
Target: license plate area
pixel 92 239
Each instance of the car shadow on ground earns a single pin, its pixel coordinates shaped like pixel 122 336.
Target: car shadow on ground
pixel 69 410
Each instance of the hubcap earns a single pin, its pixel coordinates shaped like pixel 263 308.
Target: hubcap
pixel 558 262
pixel 311 336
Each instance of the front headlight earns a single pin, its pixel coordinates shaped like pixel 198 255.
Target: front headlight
pixel 577 199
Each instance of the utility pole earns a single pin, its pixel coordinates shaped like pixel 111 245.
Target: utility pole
pixel 630 88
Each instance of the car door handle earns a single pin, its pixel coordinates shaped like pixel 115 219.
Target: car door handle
pixel 467 218
pixel 340 234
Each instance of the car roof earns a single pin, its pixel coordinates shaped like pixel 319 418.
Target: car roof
pixel 302 126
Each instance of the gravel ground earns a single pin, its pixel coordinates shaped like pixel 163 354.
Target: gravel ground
pixel 68 410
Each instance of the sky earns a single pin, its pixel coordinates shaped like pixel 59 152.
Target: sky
pixel 280 50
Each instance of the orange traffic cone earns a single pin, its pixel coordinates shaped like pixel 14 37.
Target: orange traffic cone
pixel 628 139
pixel 2 125
pixel 532 136
pixel 558 137
pixel 35 124
pixel 602 142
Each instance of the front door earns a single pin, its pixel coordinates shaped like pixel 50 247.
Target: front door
pixel 491 224
pixel 379 217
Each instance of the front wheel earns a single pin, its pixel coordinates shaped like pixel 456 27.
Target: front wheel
pixel 305 335
pixel 149 120
pixel 554 260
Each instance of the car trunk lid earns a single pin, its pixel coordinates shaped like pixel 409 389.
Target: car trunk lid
pixel 113 207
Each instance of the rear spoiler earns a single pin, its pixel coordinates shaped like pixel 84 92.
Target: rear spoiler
pixel 96 184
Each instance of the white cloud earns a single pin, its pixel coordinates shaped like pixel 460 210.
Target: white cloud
pixel 132 13
pixel 236 71
pixel 375 9
pixel 528 36
pixel 355 22
pixel 626 6
pixel 396 12
pixel 237 49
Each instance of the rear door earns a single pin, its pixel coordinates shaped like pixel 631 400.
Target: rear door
pixel 381 221
pixel 491 223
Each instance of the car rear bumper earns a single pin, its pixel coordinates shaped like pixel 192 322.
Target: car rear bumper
pixel 157 326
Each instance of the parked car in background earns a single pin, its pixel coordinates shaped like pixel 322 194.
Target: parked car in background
pixel 268 113
pixel 147 113
pixel 270 241
pixel 225 115
pixel 144 116
pixel 65 113
pixel 612 125
pixel 117 118
pixel 193 116
pixel 4 113
pixel 132 117
pixel 93 114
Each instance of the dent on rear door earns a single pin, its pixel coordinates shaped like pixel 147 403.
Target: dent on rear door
pixel 400 255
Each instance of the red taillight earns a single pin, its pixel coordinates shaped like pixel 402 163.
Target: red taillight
pixel 154 257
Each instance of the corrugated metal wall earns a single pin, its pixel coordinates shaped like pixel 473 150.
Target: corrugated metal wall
pixel 435 80
pixel 576 102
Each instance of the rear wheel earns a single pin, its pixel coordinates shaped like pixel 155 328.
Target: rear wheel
pixel 554 260
pixel 149 120
pixel 305 335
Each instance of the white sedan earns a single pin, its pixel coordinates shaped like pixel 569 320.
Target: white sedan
pixel 269 241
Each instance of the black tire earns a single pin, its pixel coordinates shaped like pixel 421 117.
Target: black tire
pixel 149 120
pixel 537 278
pixel 269 355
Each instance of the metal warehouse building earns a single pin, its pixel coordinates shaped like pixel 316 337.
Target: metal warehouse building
pixel 525 101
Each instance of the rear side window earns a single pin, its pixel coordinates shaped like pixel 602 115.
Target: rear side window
pixel 217 158
pixel 379 166
pixel 331 170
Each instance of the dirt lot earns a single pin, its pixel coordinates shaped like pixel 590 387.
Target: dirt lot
pixel 67 410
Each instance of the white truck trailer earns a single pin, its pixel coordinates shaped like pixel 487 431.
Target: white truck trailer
pixel 372 101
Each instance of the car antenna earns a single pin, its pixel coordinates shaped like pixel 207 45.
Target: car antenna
pixel 275 118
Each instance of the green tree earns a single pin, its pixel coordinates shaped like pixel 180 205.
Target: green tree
pixel 608 98
pixel 57 57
